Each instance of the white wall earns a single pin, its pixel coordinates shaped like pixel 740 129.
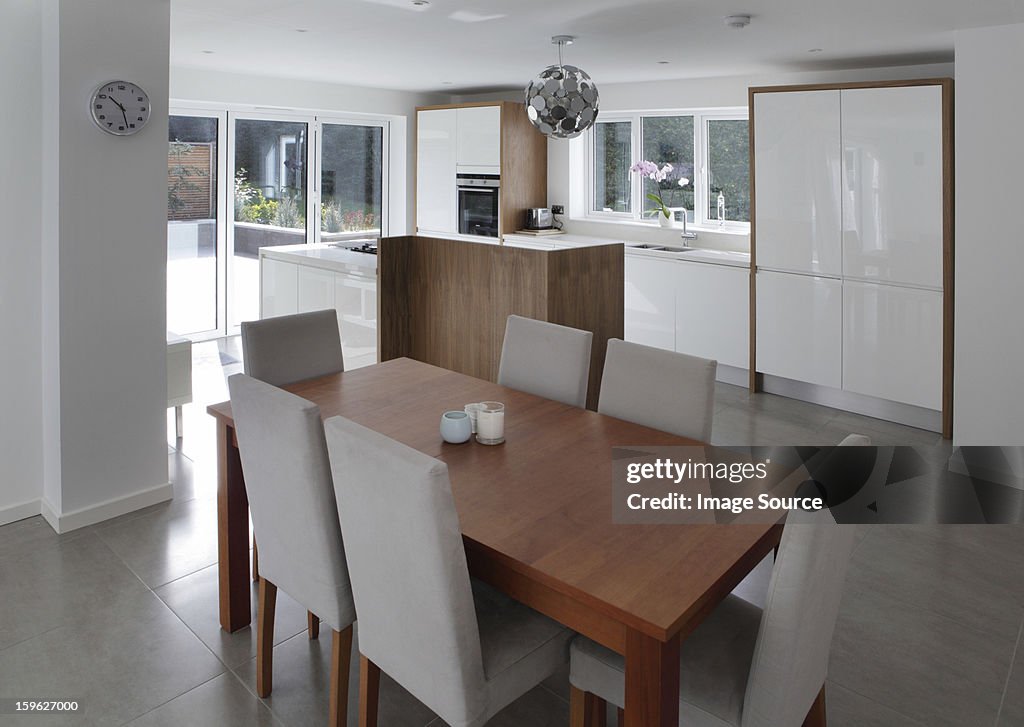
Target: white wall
pixel 988 406
pixel 695 93
pixel 21 451
pixel 276 94
pixel 104 253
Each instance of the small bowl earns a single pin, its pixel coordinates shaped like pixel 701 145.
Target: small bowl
pixel 456 427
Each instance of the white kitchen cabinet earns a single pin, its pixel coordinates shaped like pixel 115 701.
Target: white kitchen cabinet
pixel 892 177
pixel 650 302
pixel 713 312
pixel 892 343
pixel 355 299
pixel 798 182
pixel 279 288
pixel 479 139
pixel 436 151
pixel 800 328
pixel 316 289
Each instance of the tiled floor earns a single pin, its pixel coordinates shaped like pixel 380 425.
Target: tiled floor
pixel 123 616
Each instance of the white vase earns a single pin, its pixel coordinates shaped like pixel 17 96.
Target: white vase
pixel 666 222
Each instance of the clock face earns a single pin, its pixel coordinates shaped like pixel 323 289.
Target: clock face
pixel 120 108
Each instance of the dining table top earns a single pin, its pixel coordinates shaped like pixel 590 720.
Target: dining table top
pixel 541 503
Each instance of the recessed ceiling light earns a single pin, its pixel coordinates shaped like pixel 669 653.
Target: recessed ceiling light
pixel 302 30
pixel 446 83
pixel 420 3
pixel 663 63
pixel 815 50
pixel 209 52
pixel 737 22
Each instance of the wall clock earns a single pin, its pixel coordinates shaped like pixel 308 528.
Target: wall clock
pixel 120 108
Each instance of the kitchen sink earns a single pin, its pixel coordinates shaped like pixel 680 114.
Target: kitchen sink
pixel 647 247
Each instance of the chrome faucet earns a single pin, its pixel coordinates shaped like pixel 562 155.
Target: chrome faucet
pixel 684 234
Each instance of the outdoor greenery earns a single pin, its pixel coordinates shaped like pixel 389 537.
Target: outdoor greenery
pixel 729 168
pixel 251 205
pixel 669 140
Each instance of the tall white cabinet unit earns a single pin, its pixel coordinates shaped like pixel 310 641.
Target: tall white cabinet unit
pixel 851 242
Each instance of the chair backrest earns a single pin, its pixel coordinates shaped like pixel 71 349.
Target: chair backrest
pixel 791 656
pixel 660 389
pixel 546 359
pixel 291 497
pixel 286 349
pixel 417 619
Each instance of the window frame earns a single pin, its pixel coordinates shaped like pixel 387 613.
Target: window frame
pixel 701 200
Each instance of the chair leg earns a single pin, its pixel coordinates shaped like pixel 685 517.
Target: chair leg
pixel 341 656
pixel 265 638
pixel 597 711
pixel 816 714
pixel 255 561
pixel 369 692
pixel 621 715
pixel 313 625
pixel 577 707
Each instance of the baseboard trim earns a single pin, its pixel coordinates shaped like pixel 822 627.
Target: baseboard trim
pixel 732 375
pixel 83 517
pixel 14 513
pixel 906 414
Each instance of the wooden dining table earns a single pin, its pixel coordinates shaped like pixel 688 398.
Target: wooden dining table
pixel 536 519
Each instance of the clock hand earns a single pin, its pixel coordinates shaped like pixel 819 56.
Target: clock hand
pixel 125 115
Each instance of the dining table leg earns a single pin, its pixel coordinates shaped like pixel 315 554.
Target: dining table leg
pixel 652 681
pixel 232 534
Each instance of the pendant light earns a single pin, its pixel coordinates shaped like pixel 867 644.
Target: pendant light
pixel 562 101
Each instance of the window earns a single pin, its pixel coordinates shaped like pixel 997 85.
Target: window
pixel 710 156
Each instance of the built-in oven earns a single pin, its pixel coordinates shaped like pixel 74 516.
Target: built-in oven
pixel 478 204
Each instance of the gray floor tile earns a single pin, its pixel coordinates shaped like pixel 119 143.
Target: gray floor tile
pixel 849 709
pixel 195 600
pixel 118 660
pixel 300 697
pixel 740 426
pixel 57 581
pixel 924 566
pixel 918 662
pixel 220 702
pixel 536 708
pixel 166 544
pixel 1012 712
pixel 31 533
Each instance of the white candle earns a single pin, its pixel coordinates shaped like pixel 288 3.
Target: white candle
pixel 490 423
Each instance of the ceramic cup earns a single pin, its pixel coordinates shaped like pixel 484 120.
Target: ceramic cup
pixel 490 423
pixel 473 410
pixel 456 427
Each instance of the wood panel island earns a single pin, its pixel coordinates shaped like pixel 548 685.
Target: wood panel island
pixel 445 302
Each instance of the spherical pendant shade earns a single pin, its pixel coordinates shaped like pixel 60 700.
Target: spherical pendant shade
pixel 562 101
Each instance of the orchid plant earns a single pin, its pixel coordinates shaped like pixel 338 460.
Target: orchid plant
pixel 652 171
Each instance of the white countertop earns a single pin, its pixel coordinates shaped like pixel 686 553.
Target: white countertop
pixel 691 254
pixel 326 256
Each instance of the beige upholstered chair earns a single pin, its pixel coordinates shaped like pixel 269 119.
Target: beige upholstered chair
pixel 286 349
pixel 660 389
pixel 744 666
pixel 546 359
pixel 460 647
pixel 291 498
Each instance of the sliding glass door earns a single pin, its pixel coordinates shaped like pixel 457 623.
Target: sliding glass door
pixel 270 163
pixel 195 218
pixel 241 181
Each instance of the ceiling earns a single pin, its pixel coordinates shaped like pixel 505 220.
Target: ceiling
pixel 466 45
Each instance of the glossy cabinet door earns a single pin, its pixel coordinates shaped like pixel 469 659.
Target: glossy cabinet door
pixel 436 199
pixel 479 139
pixel 650 316
pixel 355 298
pixel 279 288
pixel 316 289
pixel 797 181
pixel 713 312
pixel 892 343
pixel 800 328
pixel 892 179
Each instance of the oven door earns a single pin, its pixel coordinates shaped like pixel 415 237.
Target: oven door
pixel 478 211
